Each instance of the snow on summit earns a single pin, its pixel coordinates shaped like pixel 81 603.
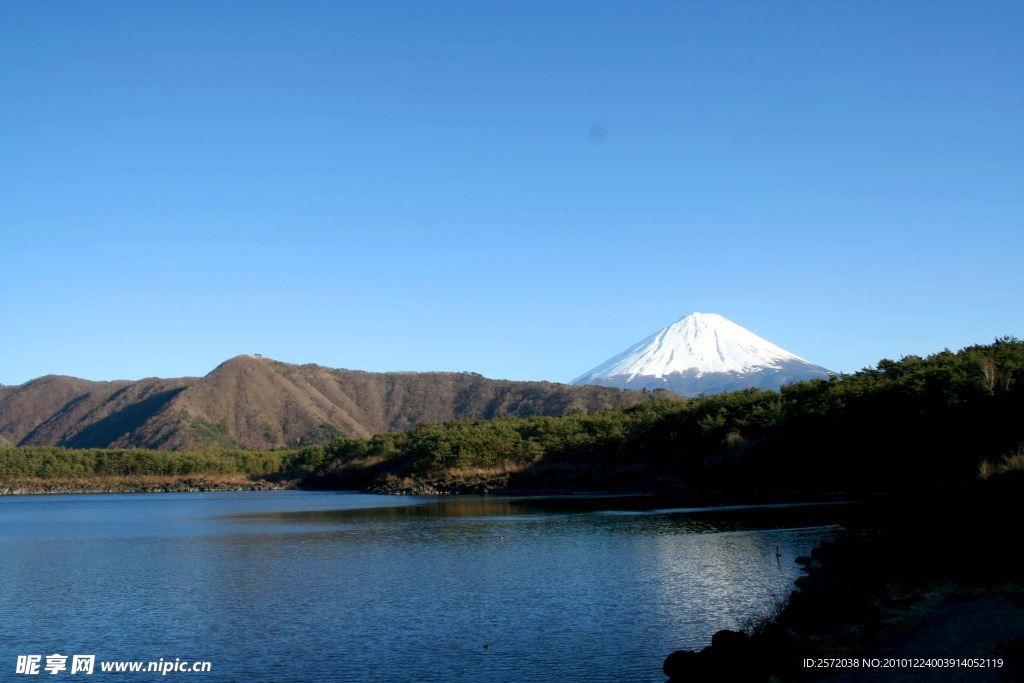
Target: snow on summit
pixel 705 342
pixel 702 353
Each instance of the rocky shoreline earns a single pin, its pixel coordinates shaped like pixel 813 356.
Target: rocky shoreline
pixel 29 487
pixel 887 587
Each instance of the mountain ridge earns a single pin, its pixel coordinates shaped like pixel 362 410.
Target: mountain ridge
pixel 260 403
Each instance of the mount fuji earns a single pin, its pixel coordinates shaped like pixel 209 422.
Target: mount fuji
pixel 702 353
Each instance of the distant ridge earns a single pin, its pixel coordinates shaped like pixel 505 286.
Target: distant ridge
pixel 702 353
pixel 260 403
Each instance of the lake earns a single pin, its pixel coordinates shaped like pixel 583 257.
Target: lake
pixel 306 586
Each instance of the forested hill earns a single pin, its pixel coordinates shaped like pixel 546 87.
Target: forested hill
pixel 259 403
pixel 916 422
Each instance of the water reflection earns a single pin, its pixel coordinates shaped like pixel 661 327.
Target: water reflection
pixel 691 519
pixel 355 588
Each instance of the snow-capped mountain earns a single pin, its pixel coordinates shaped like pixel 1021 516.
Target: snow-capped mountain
pixel 702 353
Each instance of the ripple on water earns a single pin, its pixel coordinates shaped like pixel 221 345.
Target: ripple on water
pixel 291 586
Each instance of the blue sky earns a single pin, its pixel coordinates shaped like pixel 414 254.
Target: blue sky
pixel 520 189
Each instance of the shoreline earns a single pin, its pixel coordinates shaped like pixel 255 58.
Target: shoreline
pixel 238 482
pixel 140 484
pixel 901 585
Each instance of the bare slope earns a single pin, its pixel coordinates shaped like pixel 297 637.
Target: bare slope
pixel 58 410
pixel 261 403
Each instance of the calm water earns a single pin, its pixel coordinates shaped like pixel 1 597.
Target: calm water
pixel 304 586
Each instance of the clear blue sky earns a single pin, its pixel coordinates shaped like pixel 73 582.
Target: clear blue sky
pixel 520 189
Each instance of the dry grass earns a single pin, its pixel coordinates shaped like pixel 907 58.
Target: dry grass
pixel 1011 651
pixel 1014 462
pixel 454 480
pixel 757 624
pixel 139 483
pixel 366 463
pixel 476 472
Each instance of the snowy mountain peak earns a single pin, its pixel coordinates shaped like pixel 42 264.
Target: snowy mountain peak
pixel 702 350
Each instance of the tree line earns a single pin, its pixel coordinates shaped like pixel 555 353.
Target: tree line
pixel 908 423
pixel 903 424
pixel 55 462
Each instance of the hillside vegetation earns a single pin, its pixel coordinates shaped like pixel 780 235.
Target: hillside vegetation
pixel 903 425
pixel 258 403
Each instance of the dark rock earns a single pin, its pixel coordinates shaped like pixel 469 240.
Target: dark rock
pixel 732 656
pixel 900 603
pixel 728 643
pixel 683 665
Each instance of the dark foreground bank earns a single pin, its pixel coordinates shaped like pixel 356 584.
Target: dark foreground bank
pixel 923 588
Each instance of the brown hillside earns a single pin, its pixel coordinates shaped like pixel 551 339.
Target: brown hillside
pixel 261 403
pixel 78 413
